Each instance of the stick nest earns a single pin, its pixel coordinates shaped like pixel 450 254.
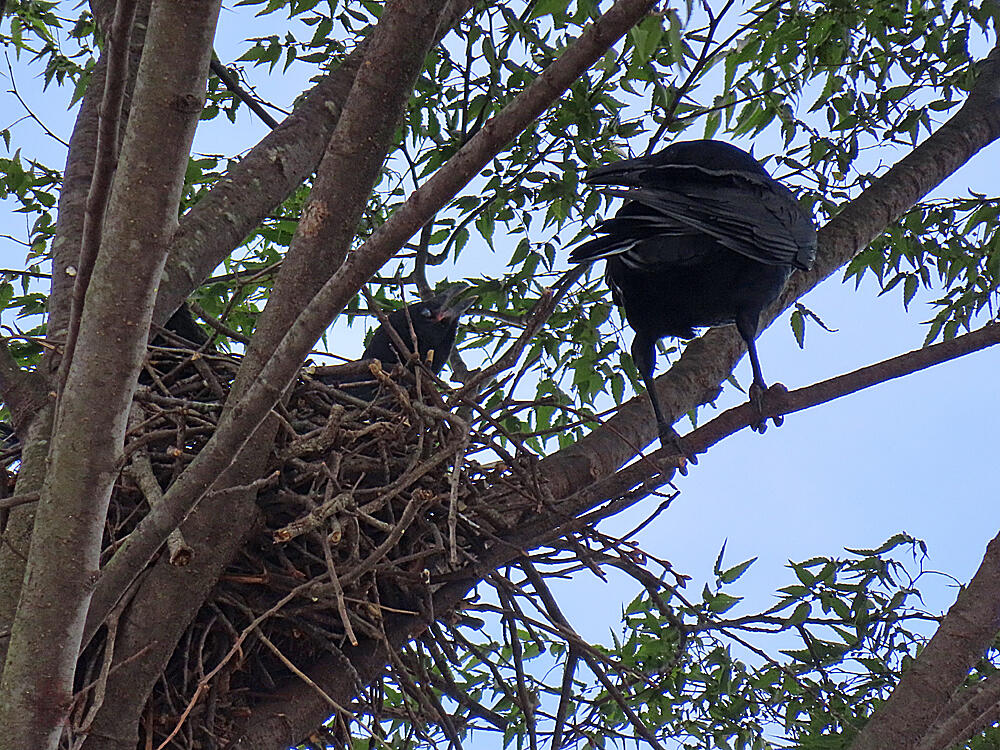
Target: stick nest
pixel 361 504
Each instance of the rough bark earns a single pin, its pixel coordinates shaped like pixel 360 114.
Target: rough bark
pixel 168 597
pixel 65 250
pixel 91 416
pixel 156 618
pixel 108 133
pixel 16 538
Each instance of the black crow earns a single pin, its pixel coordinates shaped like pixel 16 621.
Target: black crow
pixel 706 238
pixel 430 325
pixel 182 324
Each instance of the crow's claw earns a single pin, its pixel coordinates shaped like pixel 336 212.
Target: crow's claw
pixel 670 439
pixel 759 396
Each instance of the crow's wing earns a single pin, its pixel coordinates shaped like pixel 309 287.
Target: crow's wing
pixel 760 221
pixel 643 239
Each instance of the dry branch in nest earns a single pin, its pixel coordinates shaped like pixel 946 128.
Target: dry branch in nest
pixel 362 505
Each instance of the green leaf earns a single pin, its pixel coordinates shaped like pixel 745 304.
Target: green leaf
pixel 735 572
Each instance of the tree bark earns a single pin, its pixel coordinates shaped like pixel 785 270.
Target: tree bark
pixel 91 416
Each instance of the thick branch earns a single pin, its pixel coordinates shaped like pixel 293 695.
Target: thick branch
pixel 65 253
pixel 115 82
pixel 91 417
pixel 348 172
pixel 297 708
pixel 968 713
pixel 640 477
pixel 924 689
pixel 262 179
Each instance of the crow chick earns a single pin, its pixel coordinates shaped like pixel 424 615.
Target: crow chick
pixel 427 328
pixel 706 238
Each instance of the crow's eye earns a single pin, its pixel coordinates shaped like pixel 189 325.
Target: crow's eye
pixel 425 312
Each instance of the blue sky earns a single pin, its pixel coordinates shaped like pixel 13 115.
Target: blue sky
pixel 916 454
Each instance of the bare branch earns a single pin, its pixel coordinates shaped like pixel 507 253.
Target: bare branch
pixel 233 85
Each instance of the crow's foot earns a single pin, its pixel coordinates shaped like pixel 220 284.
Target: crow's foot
pixel 670 439
pixel 759 396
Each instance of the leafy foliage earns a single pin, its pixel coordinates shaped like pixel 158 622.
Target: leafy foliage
pixel 809 670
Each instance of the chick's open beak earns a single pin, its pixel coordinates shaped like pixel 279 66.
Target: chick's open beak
pixel 451 304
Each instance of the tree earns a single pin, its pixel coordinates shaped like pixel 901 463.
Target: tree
pixel 328 557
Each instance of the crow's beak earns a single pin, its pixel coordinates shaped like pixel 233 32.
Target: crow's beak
pixel 625 172
pixel 452 302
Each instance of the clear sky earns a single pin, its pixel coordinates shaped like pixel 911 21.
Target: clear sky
pixel 915 455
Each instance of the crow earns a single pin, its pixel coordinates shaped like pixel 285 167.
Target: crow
pixel 706 238
pixel 428 328
pixel 182 324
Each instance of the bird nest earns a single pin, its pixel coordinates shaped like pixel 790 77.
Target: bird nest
pixel 362 503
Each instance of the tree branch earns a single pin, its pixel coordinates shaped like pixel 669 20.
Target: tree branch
pixel 233 85
pixel 106 160
pixel 622 489
pixel 967 714
pixel 90 424
pixel 708 360
pixel 170 597
pixel 262 179
pixel 348 172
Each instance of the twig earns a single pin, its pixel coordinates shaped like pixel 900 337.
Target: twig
pixel 16 500
pixel 231 83
pixel 141 470
pixel 338 592
pixel 456 474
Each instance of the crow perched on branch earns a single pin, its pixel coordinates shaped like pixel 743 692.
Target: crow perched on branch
pixel 431 325
pixel 706 238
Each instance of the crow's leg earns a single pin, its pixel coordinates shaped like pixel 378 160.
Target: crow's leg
pixel 644 357
pixel 747 326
